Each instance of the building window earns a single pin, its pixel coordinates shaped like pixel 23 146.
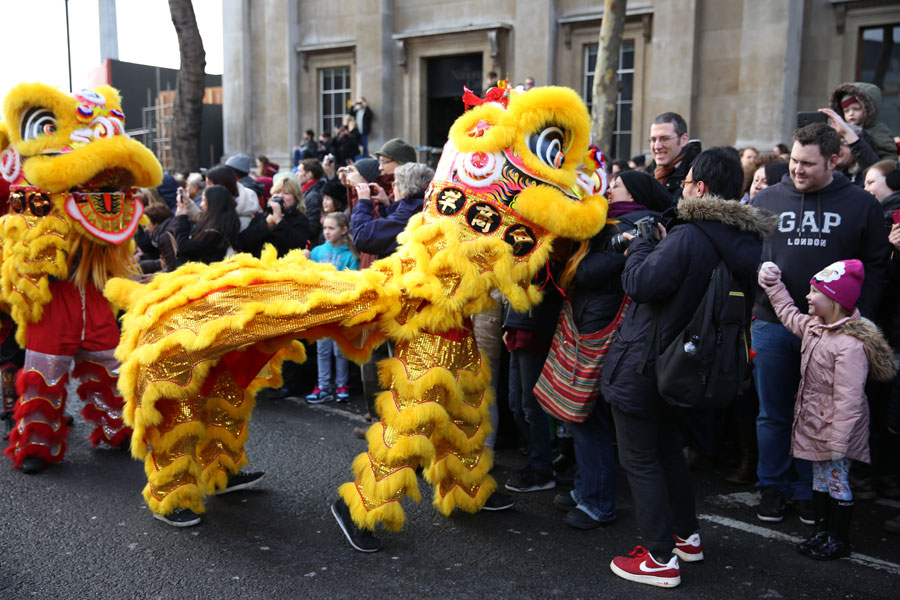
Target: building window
pixel 622 133
pixel 335 89
pixel 879 63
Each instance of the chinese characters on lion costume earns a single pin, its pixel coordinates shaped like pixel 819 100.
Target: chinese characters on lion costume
pixel 198 343
pixel 72 213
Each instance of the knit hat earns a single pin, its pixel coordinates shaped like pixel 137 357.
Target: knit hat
pixel 847 100
pixel 892 180
pixel 239 162
pixel 646 190
pixel 168 189
pixel 841 281
pixel 368 168
pixel 398 150
pixel 775 170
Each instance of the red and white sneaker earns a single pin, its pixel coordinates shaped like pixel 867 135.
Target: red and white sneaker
pixel 688 550
pixel 640 566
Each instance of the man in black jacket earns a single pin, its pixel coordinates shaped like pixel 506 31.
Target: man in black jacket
pixel 668 281
pixel 822 218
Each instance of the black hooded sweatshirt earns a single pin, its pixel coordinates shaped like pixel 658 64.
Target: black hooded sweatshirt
pixel 815 229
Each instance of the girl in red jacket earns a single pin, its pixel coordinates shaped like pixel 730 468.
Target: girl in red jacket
pixel 831 414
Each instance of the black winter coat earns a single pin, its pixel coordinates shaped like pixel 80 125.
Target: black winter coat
pixel 290 233
pixel 312 197
pixel 207 246
pixel 597 293
pixel 670 279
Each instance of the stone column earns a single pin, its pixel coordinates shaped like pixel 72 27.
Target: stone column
pixel 771 40
pixel 237 80
pixel 672 63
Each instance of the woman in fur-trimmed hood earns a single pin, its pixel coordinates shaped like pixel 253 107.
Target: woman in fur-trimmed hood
pixel 868 96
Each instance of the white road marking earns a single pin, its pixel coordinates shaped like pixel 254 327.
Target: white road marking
pixel 860 559
pixel 339 412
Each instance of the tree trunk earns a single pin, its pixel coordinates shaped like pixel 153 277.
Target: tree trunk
pixel 606 84
pixel 189 88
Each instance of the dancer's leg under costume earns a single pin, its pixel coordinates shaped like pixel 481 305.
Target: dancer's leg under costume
pixel 435 417
pixel 78 327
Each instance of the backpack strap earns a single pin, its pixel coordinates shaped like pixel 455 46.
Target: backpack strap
pixel 653 345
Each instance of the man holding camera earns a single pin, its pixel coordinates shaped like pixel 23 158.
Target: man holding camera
pixel 822 218
pixel 666 282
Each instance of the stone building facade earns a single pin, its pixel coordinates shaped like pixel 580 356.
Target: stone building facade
pixel 737 70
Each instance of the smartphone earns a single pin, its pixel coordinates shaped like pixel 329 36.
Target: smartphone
pixel 809 117
pixel 895 215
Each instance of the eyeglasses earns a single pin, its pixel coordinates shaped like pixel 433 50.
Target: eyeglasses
pixel 662 140
pixel 385 161
pixel 684 182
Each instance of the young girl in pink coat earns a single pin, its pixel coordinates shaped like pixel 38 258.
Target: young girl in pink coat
pixel 831 413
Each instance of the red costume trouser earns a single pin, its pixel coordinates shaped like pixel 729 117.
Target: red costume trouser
pixel 78 328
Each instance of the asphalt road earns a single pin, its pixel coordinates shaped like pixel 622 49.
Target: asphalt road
pixel 81 530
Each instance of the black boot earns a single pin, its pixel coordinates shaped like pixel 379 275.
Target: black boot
pixel 821 502
pixel 745 472
pixel 837 544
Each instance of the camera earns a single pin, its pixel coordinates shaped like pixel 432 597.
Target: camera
pixel 643 228
pixel 277 199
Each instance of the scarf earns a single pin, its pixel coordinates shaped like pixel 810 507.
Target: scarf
pixel 662 173
pixel 617 209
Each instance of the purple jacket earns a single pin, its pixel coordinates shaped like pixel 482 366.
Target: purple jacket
pixel 379 236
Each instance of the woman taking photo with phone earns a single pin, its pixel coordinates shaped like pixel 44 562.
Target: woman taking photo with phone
pixel 216 233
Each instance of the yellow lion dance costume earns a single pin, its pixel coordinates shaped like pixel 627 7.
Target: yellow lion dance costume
pixel 198 343
pixel 72 215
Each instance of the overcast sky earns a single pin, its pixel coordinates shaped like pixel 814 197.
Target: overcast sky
pixel 35 38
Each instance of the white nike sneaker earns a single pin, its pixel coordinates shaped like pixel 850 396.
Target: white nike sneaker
pixel 640 566
pixel 689 550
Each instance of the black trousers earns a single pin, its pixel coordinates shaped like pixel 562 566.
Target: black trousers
pixel 650 451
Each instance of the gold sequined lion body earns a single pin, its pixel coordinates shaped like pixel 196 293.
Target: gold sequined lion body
pixel 198 343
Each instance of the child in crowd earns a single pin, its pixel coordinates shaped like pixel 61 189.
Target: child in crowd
pixel 338 250
pixel 860 103
pixel 831 417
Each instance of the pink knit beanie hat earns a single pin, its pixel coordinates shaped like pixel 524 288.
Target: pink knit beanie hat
pixel 841 281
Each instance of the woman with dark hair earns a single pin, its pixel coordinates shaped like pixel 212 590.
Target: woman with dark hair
pixel 217 230
pixel 245 200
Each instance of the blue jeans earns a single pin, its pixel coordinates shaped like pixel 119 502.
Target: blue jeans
pixel 595 477
pixel 325 349
pixel 777 377
pixel 524 371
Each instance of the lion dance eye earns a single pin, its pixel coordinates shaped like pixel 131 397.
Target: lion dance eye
pixel 548 146
pixel 38 121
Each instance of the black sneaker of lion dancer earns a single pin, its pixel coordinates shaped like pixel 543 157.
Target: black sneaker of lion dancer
pixel 641 567
pixel 689 550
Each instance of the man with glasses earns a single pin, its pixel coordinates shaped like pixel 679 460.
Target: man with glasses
pixel 672 151
pixel 393 153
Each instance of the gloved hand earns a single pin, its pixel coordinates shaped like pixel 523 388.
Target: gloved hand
pixel 836 456
pixel 769 274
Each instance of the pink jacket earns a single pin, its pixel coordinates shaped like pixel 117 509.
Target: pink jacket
pixel 831 412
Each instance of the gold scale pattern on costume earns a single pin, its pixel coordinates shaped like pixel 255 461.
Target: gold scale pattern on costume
pixel 473 235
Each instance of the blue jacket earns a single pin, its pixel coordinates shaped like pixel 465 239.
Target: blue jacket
pixel 340 256
pixel 379 236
